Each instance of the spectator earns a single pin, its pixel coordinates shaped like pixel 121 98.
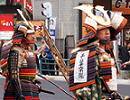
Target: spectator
pixel 51 61
pixel 42 58
pixel 124 55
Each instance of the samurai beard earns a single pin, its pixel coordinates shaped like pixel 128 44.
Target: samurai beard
pixel 104 41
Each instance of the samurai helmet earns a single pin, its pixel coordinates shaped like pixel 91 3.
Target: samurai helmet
pixel 89 10
pixel 21 31
pixel 116 22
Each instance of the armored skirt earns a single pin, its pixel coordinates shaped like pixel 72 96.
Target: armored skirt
pixel 26 76
pixel 29 91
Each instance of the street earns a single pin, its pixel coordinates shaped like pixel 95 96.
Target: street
pixel 60 95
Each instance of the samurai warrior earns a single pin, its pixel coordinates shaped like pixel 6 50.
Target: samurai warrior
pixel 20 67
pixel 92 65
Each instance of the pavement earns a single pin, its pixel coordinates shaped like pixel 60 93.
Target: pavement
pixel 123 86
pixel 61 78
pixel 123 81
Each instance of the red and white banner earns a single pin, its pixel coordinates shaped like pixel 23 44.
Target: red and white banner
pixel 26 3
pixel 6 26
pixel 29 6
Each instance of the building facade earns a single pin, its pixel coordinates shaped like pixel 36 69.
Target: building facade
pixel 67 18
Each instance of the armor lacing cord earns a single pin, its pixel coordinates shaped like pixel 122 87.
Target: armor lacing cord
pixel 30 89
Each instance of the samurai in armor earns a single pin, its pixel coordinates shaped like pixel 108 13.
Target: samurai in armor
pixel 21 66
pixel 92 65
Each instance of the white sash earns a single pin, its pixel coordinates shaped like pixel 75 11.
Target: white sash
pixel 80 68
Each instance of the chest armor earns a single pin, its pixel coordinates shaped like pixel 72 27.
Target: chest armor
pixel 105 62
pixel 98 62
pixel 91 70
pixel 28 67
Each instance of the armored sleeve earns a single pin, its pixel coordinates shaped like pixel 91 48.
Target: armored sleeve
pixel 14 72
pixel 14 62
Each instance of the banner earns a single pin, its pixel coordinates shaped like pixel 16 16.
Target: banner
pixel 26 3
pixel 121 6
pixel 29 6
pixel 6 26
pixel 52 27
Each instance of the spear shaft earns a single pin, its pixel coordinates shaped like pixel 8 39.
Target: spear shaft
pixel 40 75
